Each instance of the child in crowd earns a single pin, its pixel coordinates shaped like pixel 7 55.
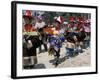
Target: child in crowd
pixel 70 46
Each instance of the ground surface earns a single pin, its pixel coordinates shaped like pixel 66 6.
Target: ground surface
pixel 82 59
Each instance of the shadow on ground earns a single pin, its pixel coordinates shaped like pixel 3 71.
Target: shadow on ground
pixel 37 66
pixel 60 60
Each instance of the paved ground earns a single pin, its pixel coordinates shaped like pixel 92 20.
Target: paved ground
pixel 82 59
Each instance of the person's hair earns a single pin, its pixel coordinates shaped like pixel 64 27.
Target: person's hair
pixel 70 39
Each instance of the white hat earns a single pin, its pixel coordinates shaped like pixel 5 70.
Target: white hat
pixel 59 19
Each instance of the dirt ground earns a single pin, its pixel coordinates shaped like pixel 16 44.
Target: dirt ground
pixel 80 60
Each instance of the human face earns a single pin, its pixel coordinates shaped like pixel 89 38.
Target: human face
pixel 39 20
pixel 27 20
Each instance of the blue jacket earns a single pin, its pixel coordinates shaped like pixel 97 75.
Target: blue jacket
pixel 56 42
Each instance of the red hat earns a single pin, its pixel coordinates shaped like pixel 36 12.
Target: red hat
pixel 87 21
pixel 80 19
pixel 72 19
pixel 28 14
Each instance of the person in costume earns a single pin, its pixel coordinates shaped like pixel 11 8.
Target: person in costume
pixel 40 24
pixel 60 26
pixel 29 49
pixel 27 27
pixel 55 45
pixel 80 35
pixel 71 26
pixel 87 30
pixel 80 24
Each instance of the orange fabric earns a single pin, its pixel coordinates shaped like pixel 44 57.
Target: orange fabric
pixel 28 28
pixel 48 30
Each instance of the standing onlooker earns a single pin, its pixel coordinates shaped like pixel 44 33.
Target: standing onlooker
pixel 40 24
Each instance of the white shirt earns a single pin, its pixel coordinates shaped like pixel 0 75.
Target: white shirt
pixel 87 29
pixel 39 25
pixel 61 31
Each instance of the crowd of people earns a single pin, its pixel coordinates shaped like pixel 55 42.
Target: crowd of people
pixel 75 34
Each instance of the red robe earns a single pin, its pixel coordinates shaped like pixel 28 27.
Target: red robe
pixel 29 28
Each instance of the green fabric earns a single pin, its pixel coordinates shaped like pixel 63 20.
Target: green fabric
pixel 31 33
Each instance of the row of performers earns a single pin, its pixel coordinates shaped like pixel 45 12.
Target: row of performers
pixel 55 34
pixel 58 23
